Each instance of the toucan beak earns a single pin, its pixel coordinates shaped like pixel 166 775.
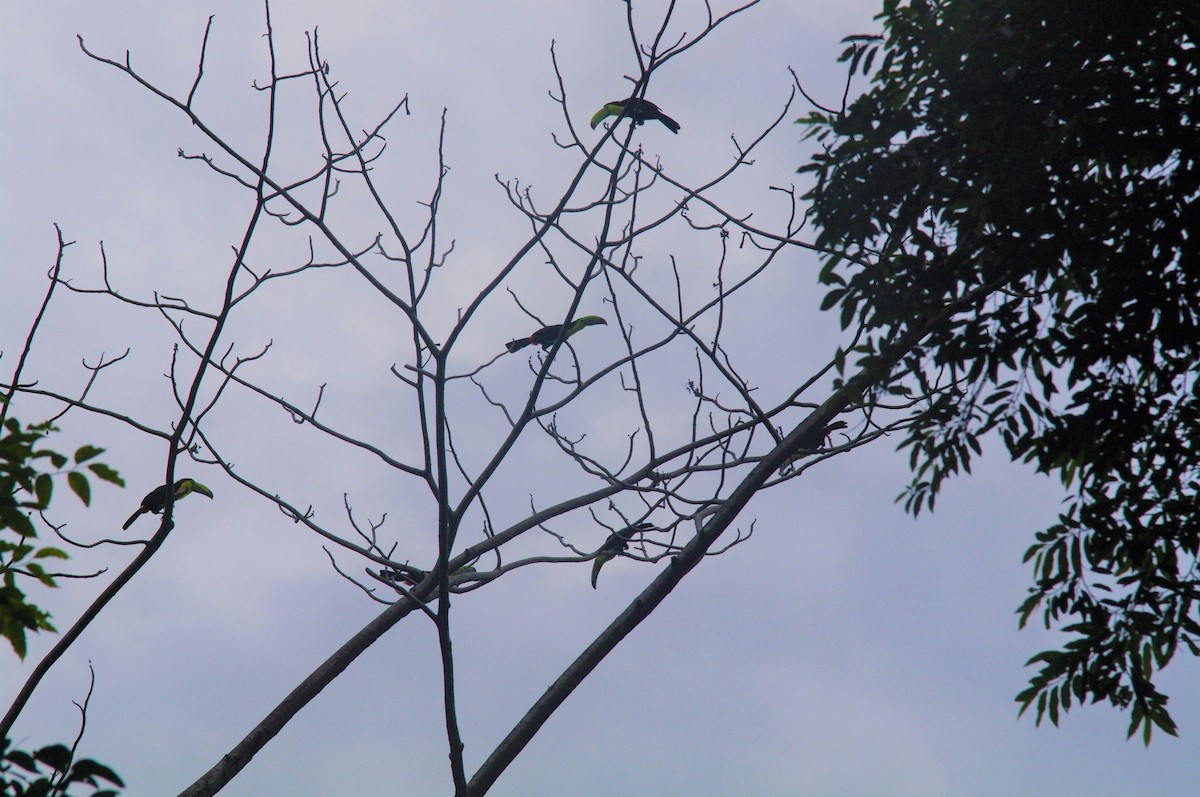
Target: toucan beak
pixel 600 115
pixel 200 488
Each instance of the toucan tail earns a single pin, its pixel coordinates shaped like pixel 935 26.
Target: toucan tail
pixel 132 518
pixel 671 124
pixel 514 345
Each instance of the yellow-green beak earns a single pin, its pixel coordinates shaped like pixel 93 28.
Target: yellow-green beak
pixel 603 113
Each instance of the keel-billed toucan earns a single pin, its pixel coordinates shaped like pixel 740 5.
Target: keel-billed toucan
pixel 812 442
pixel 414 575
pixel 156 500
pixel 640 111
pixel 546 336
pixel 617 541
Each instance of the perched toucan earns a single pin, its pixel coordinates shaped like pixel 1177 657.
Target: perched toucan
pixel 812 442
pixel 640 111
pixel 546 336
pixel 617 541
pixel 156 500
pixel 414 575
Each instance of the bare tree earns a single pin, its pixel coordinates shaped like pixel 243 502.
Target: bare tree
pixel 598 253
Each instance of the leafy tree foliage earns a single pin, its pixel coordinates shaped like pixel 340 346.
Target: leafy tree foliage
pixel 1038 164
pixel 25 488
pixel 22 773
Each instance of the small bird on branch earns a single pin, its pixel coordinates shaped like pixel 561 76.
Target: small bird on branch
pixel 617 542
pixel 640 111
pixel 546 336
pixel 156 500
pixel 812 442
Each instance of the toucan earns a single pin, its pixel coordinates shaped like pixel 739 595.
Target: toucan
pixel 813 441
pixel 617 541
pixel 639 110
pixel 414 575
pixel 546 336
pixel 156 500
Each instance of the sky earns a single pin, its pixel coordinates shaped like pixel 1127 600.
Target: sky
pixel 844 649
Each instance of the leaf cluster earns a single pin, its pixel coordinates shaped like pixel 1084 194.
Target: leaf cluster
pixel 27 485
pixel 1038 165
pixel 21 773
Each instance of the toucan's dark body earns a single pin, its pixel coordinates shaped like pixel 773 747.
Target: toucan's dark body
pixel 546 336
pixel 816 438
pixel 639 110
pixel 156 500
pixel 813 442
pixel 617 542
pixel 414 576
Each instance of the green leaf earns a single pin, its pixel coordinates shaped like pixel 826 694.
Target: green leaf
pixel 79 484
pixel 832 298
pixel 23 759
pixel 1135 718
pixel 1163 720
pixel 84 453
pixel 39 572
pixel 43 488
pixel 16 520
pixel 57 756
pixel 16 638
pixel 106 473
pixel 89 770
